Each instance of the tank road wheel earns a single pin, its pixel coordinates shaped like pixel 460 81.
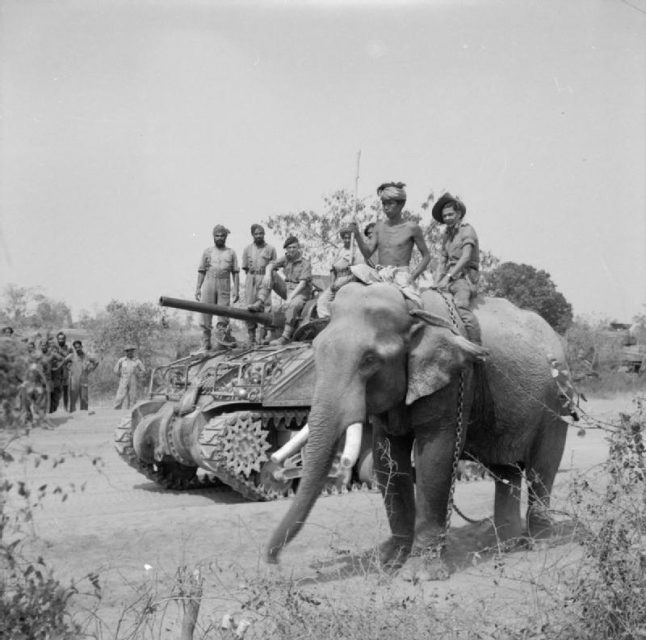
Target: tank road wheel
pixel 271 482
pixel 245 443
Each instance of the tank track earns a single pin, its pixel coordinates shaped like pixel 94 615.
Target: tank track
pixel 218 448
pixel 217 442
pixel 123 445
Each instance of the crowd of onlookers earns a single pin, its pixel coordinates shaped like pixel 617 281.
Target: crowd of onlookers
pixel 55 375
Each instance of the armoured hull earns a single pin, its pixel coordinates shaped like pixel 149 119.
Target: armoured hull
pixel 217 418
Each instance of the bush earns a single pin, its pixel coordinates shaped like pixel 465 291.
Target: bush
pixel 610 594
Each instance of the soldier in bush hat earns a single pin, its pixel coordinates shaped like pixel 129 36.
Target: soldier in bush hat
pixel 295 288
pixel 255 258
pixel 394 238
pixel 127 368
pixel 458 269
pixel 218 267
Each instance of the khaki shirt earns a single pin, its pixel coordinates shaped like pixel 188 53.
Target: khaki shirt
pixel 218 263
pixel 344 258
pixel 294 272
pixel 453 242
pixel 127 367
pixel 255 259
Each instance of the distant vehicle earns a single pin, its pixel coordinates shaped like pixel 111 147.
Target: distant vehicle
pixel 632 354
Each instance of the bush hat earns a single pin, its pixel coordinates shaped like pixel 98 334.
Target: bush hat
pixel 130 348
pixel 445 199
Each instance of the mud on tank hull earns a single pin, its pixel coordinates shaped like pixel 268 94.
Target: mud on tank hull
pixel 216 419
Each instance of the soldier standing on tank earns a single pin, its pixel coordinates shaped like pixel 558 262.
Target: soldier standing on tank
pixel 127 368
pixel 218 266
pixel 80 366
pixel 255 258
pixel 295 288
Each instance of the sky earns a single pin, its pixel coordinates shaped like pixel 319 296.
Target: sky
pixel 130 128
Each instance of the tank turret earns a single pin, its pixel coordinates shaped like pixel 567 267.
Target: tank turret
pixel 235 416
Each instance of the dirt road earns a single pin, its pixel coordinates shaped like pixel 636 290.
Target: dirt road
pixel 115 523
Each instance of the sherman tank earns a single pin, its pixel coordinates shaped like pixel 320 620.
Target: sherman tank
pixel 236 416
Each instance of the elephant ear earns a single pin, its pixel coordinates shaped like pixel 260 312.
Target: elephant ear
pixel 434 355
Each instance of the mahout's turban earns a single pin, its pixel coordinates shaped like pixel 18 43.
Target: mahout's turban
pixel 392 191
pixel 256 227
pixel 220 228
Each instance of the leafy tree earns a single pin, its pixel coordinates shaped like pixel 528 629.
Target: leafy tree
pixel 50 313
pixel 530 288
pixel 319 232
pixel 139 324
pixel 28 307
pixel 15 301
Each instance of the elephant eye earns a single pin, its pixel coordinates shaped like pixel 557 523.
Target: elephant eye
pixel 369 361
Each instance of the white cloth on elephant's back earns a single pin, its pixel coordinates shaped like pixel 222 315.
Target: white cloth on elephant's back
pixel 399 276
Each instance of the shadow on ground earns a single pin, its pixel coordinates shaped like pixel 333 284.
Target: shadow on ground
pixel 465 545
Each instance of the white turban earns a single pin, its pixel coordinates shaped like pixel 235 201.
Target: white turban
pixel 392 191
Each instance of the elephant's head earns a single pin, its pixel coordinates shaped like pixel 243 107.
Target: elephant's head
pixel 373 356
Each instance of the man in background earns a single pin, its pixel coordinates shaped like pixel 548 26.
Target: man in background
pixel 61 376
pixel 80 366
pixel 128 368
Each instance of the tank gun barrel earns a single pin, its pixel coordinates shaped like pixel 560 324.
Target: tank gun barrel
pixel 272 319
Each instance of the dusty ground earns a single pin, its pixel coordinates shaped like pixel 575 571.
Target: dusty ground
pixel 117 524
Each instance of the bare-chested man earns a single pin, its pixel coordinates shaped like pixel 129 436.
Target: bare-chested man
pixel 394 238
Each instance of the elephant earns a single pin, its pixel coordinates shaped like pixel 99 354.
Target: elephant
pixel 433 396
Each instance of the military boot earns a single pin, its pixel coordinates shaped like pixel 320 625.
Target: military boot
pixel 286 338
pixel 252 336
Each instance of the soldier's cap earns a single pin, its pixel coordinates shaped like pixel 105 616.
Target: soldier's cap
pixel 77 342
pixel 445 199
pixel 392 191
pixel 130 348
pixel 290 240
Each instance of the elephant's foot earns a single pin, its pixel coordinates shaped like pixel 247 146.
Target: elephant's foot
pixel 424 567
pixel 544 528
pixel 393 553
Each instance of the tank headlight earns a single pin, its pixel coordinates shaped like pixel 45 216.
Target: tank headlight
pixel 241 393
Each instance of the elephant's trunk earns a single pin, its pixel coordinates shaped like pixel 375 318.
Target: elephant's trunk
pixel 321 448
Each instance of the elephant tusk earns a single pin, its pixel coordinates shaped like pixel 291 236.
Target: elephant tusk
pixel 296 443
pixel 352 445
